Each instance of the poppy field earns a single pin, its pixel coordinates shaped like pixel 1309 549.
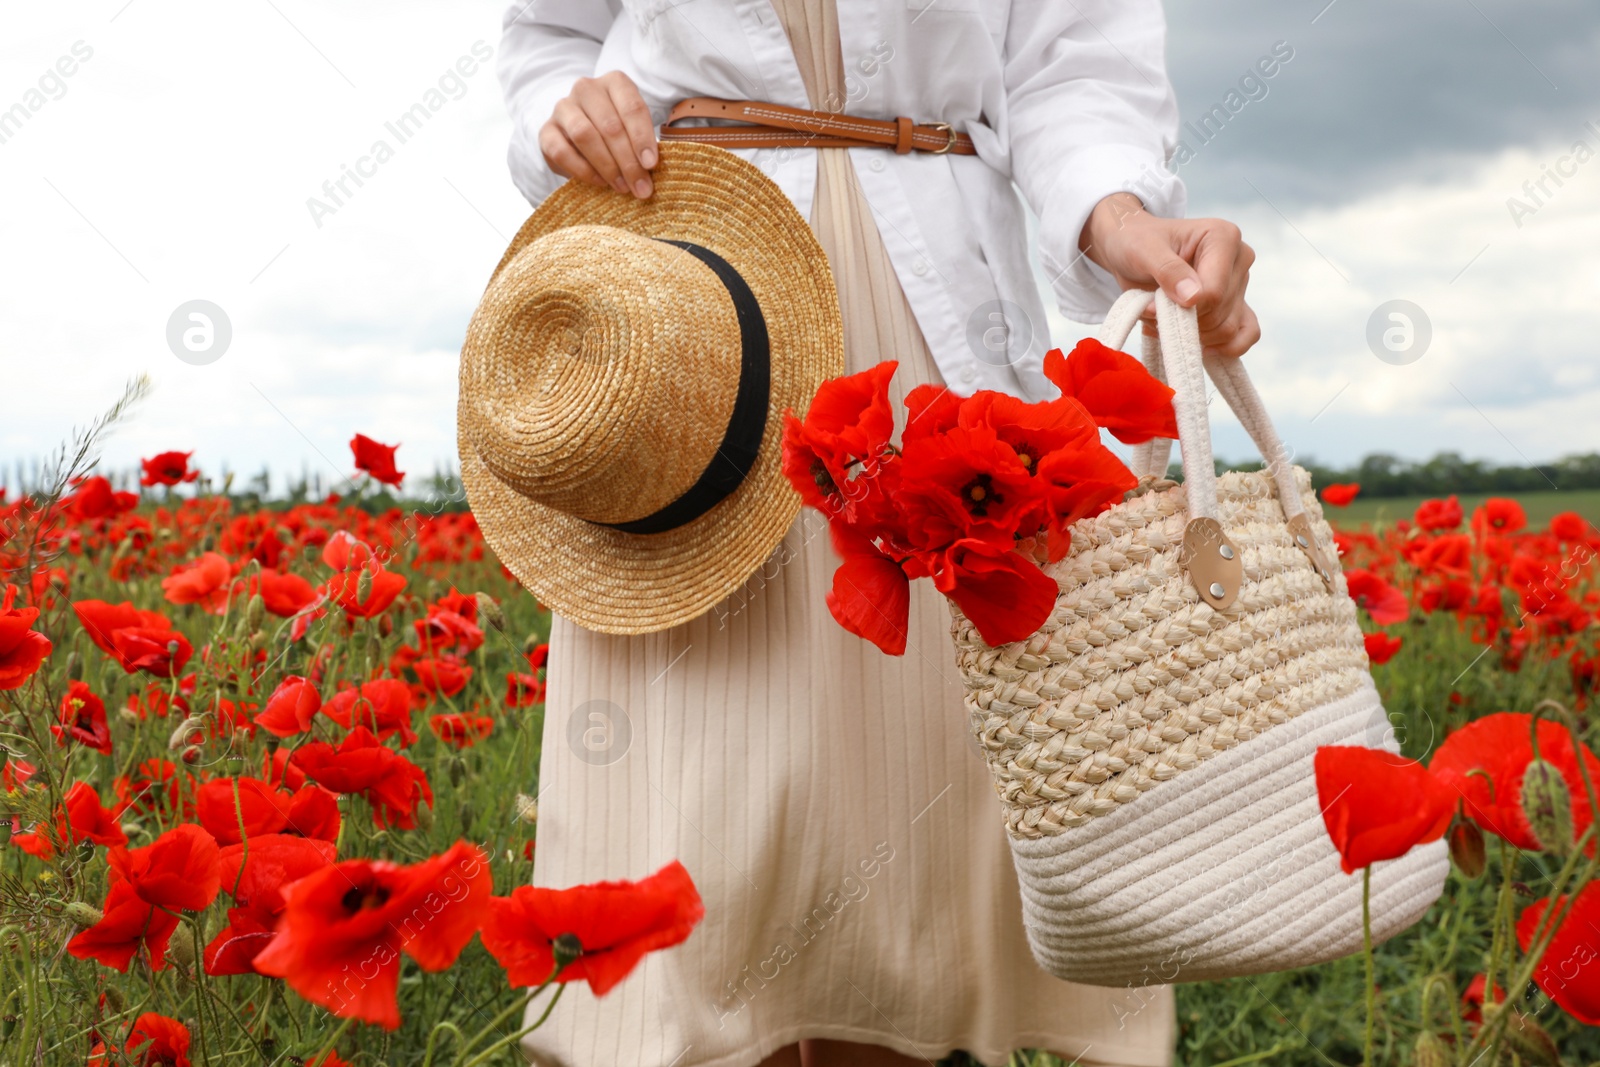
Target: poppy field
pixel 270 769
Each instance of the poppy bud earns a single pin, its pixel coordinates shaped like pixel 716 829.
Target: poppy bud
pixel 364 586
pixel 82 914
pixel 1430 1051
pixel 1547 804
pixel 458 771
pixel 254 612
pixel 527 809
pixel 491 611
pixel 1525 1037
pixel 114 1001
pixel 85 851
pixel 466 818
pixel 386 625
pixel 566 948
pixel 1467 849
pixel 184 949
pixel 424 818
pixel 255 642
pixel 191 754
pixel 185 732
pixel 74 661
pixel 128 715
pixel 531 642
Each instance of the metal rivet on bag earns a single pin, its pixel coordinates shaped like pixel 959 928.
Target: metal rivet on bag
pixel 1300 539
pixel 1226 552
pixel 1217 590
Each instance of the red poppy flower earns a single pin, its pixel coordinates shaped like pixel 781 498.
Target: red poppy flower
pixel 1116 389
pixel 966 482
pixel 345 551
pixel 377 460
pixel 83 719
pixel 1571 527
pixel 89 820
pixel 178 871
pixel 314 813
pixel 1437 515
pixel 462 731
pixel 847 426
pixel 445 675
pixel 1005 595
pixel 207 581
pixel 871 596
pixel 1377 805
pixel 129 923
pixel 343 928
pixel 1340 494
pixel 1081 481
pixel 15 774
pixel 290 707
pixel 617 923
pixel 1386 604
pixel 157 1041
pixel 383 705
pixel 160 653
pixel 81 818
pixel 103 622
pixel 447 631
pixel 523 690
pixel 345 588
pixel 22 649
pixel 1569 970
pixel 167 468
pixel 254 878
pixel 392 784
pixel 156 786
pixel 1381 647
pixel 1500 747
pixel 1500 515
pixel 93 498
pixel 284 595
pixel 265 809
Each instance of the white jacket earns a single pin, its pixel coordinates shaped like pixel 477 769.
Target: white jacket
pixel 1068 99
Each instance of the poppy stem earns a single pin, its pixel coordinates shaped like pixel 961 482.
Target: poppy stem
pixel 494 1024
pixel 322 1054
pixel 1366 943
pixel 518 1036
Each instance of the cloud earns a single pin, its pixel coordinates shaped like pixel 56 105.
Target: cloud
pixel 1510 373
pixel 1379 92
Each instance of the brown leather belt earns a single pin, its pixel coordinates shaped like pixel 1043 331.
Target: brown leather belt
pixel 776 126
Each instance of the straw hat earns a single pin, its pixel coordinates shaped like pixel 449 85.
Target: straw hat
pixel 623 384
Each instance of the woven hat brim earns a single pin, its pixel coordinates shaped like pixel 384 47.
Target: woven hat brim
pixel 613 582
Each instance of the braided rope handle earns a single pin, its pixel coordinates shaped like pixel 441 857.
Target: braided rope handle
pixel 1174 356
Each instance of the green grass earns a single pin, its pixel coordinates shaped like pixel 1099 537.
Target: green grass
pixel 1539 506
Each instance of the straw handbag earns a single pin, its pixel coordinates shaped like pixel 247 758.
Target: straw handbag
pixel 1152 743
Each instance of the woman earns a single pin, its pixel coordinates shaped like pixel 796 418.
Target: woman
pixel 861 906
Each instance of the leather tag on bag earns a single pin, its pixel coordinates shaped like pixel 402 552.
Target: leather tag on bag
pixel 1212 562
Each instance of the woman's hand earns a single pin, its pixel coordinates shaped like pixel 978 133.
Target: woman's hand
pixel 601 133
pixel 1199 263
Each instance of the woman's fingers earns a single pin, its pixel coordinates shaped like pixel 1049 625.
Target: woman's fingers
pixel 601 133
pixel 564 158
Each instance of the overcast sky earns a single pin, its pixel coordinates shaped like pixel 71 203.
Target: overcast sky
pixel 174 163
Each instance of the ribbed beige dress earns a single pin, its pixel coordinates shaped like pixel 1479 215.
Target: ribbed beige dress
pixel 827 799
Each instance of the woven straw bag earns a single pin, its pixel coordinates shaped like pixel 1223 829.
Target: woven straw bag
pixel 1152 743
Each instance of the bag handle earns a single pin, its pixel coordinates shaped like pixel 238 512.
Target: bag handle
pixel 1175 356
